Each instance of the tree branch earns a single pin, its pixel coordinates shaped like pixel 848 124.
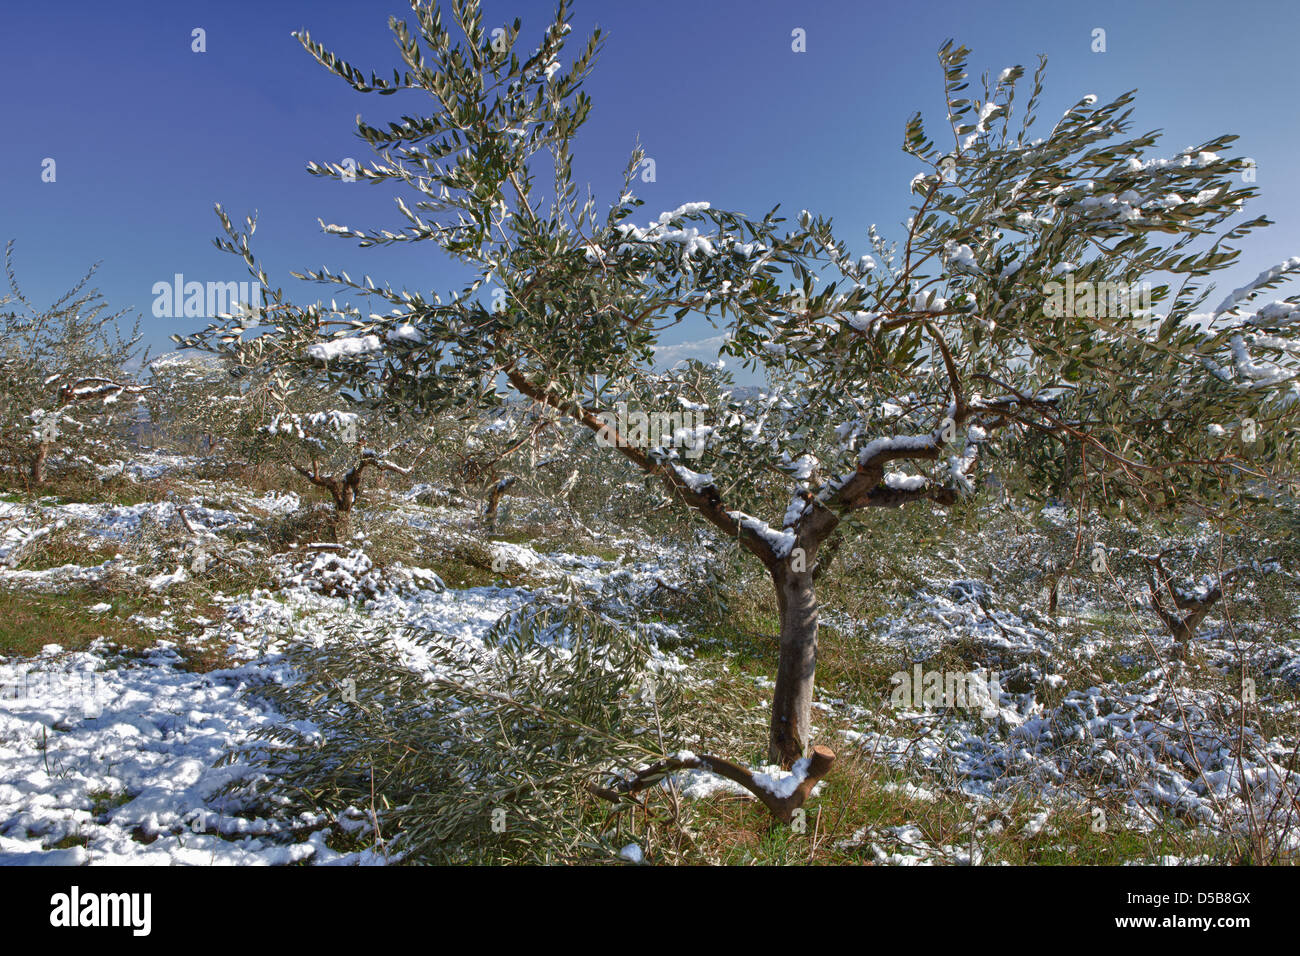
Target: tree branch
pixel 782 808
pixel 706 501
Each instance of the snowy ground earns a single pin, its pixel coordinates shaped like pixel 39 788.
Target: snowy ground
pixel 112 759
pixel 108 757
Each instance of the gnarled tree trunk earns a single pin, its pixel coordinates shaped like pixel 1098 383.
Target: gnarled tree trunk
pixel 343 491
pixel 495 494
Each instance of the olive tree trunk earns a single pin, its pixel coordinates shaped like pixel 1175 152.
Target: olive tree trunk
pixel 38 463
pixel 796 600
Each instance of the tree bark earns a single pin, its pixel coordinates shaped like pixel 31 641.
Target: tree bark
pixel 796 599
pixel 38 463
pixel 783 808
pixel 495 494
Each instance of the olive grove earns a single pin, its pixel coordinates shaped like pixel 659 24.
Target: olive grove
pixel 1046 317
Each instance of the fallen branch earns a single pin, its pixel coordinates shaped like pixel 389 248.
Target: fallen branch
pixel 180 511
pixel 321 546
pixel 783 808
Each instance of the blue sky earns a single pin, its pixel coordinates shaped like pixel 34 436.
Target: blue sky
pixel 147 135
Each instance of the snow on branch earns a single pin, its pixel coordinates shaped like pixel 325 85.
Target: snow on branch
pixel 1265 279
pixel 347 347
pixel 878 451
pixel 781 543
pixel 781 797
pixel 107 390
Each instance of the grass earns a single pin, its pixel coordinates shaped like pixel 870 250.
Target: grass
pixel 548 538
pixel 864 799
pixel 73 488
pixel 463 572
pixel 31 620
pixel 69 842
pixel 104 801
pixel 735 653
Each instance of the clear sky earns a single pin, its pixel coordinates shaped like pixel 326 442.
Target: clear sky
pixel 147 135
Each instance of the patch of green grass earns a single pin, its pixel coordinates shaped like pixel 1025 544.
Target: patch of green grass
pixel 547 538
pixel 105 801
pixel 80 489
pixel 462 569
pixel 525 536
pixel 69 841
pixel 587 549
pixel 751 650
pixel 1078 834
pixel 30 620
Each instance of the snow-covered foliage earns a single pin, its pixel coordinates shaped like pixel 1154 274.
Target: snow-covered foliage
pixel 905 375
pixel 569 669
pixel 65 390
pixel 199 405
pixel 302 428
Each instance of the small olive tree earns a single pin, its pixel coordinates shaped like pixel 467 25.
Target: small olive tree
pixel 1181 605
pixel 65 386
pixel 333 443
pixel 194 403
pixel 896 377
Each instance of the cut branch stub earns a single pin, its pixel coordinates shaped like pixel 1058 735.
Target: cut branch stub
pixel 782 808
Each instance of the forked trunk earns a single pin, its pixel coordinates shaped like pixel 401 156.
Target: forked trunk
pixel 497 492
pixel 792 700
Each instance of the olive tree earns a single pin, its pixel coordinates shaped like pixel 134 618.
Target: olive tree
pixel 897 376
pixel 334 443
pixel 65 385
pixel 196 403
